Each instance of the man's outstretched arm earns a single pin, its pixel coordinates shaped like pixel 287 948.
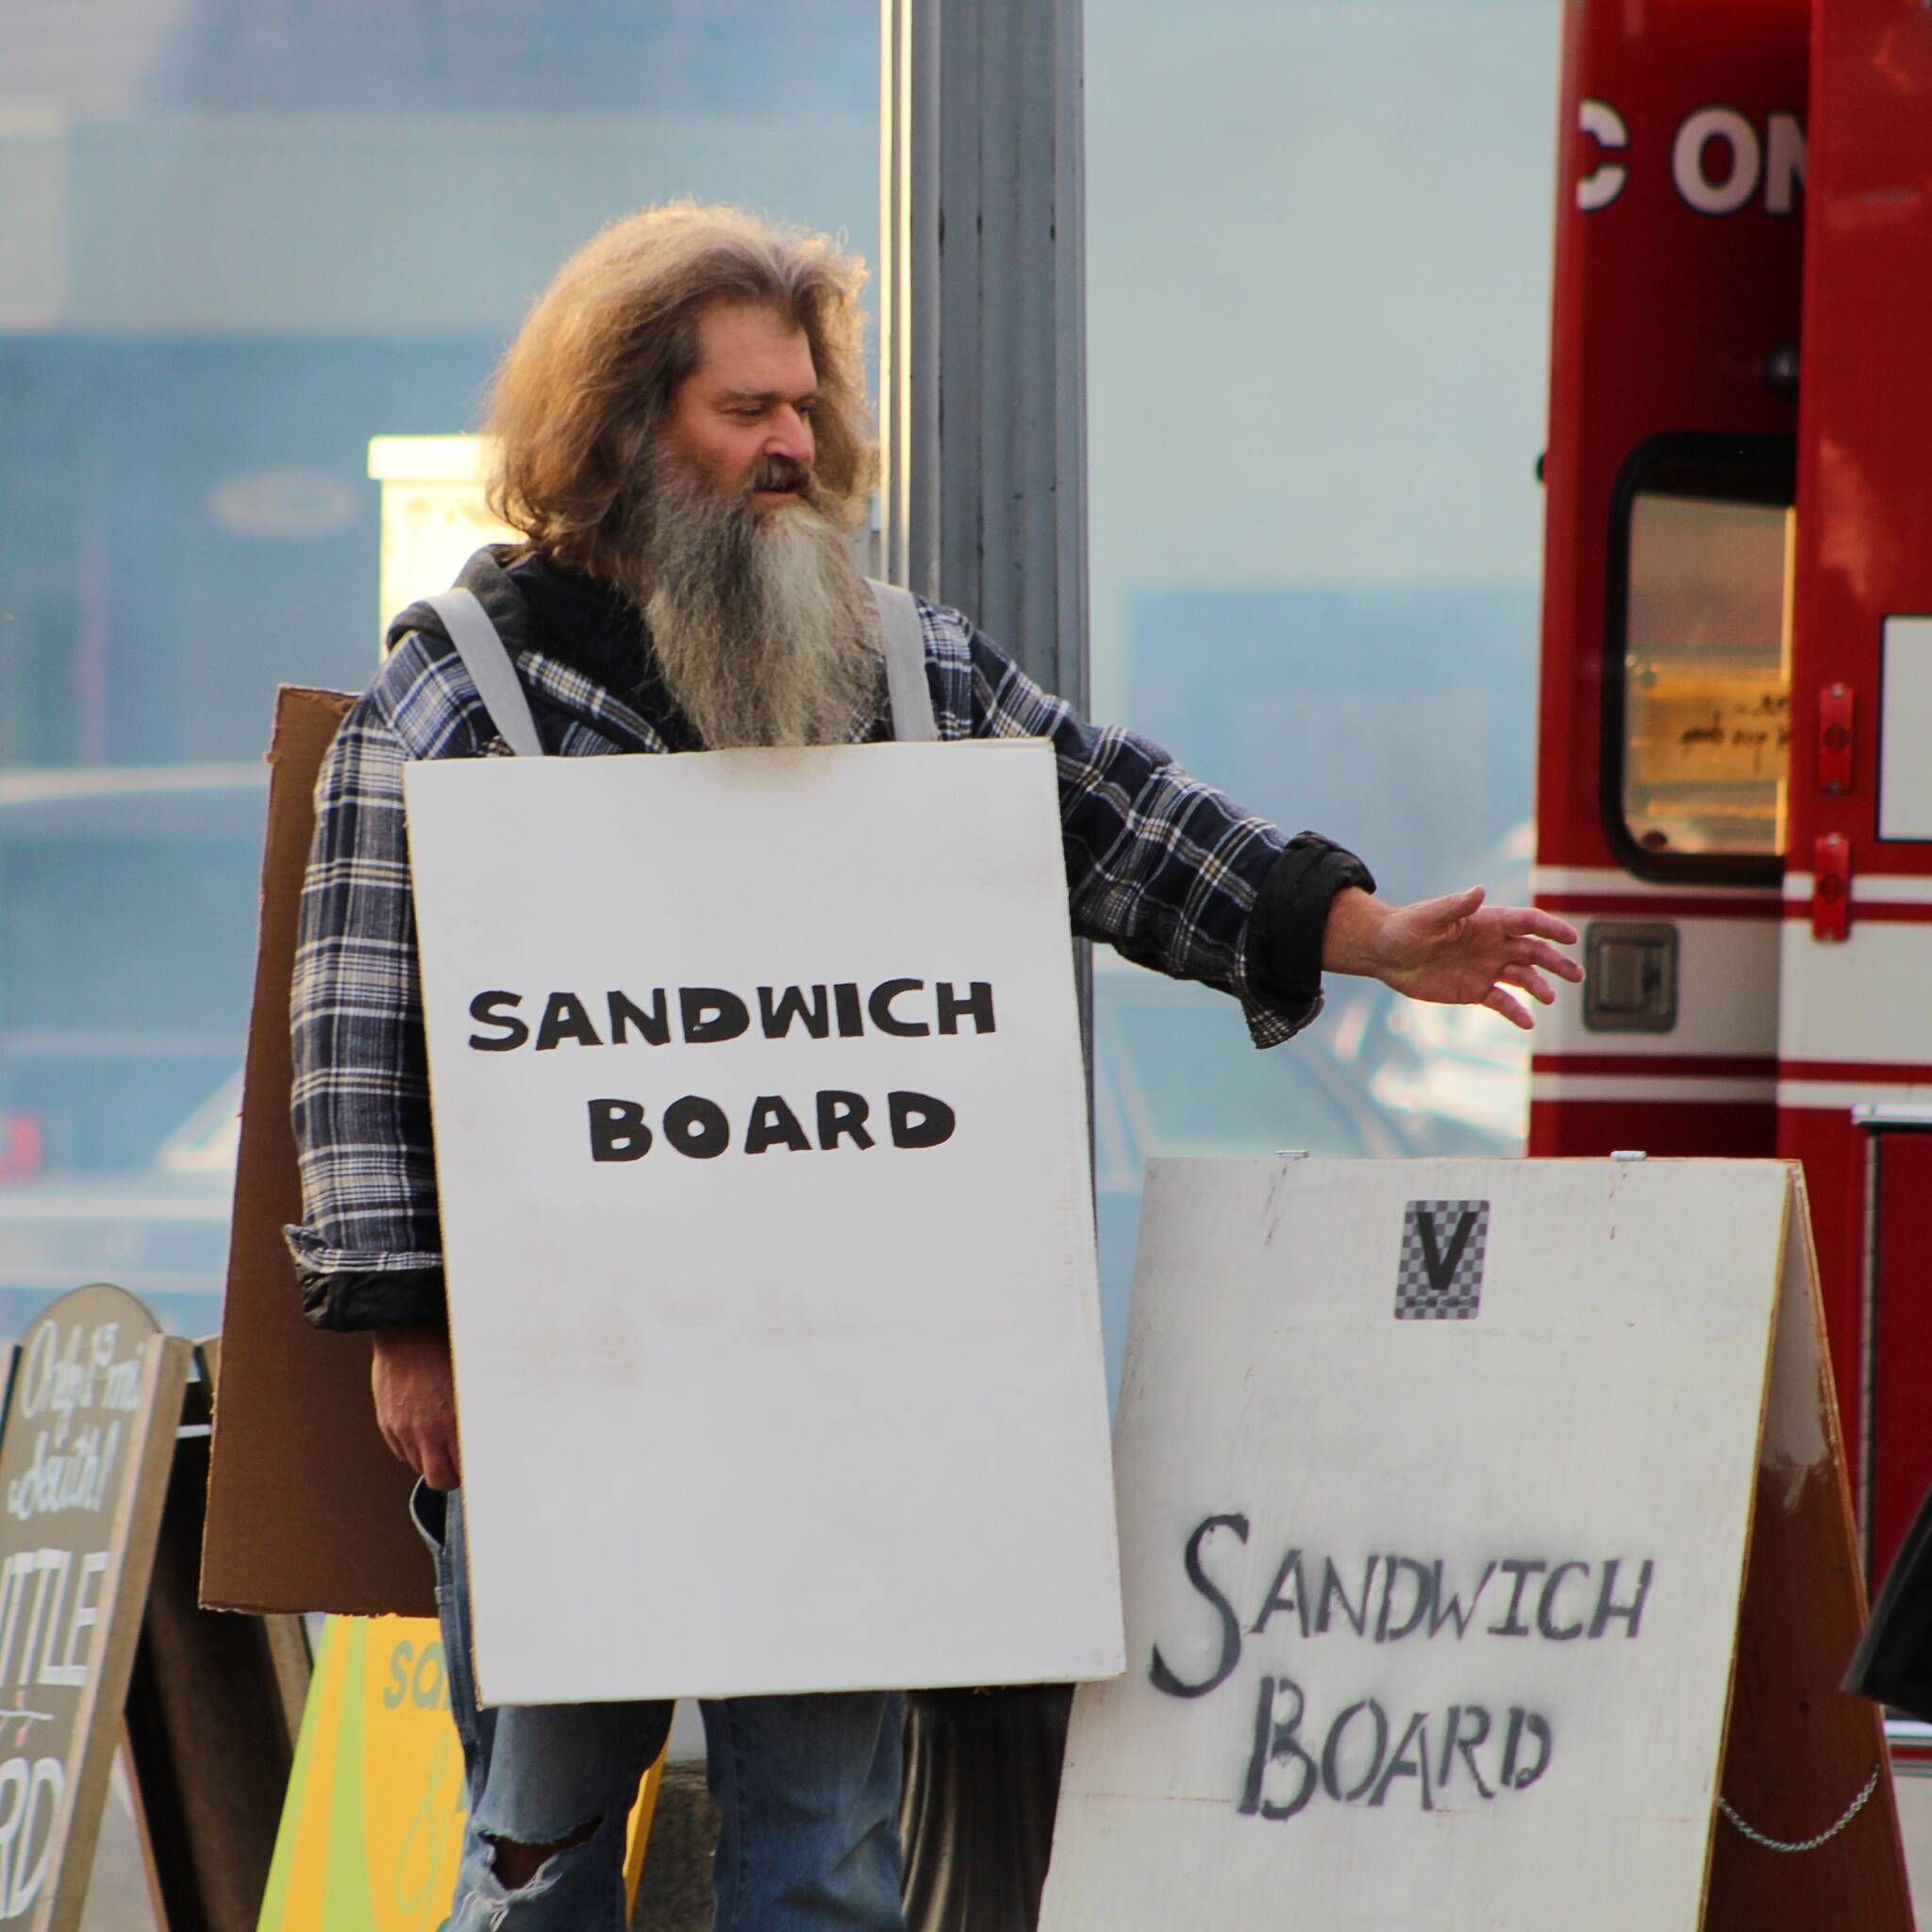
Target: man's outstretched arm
pixel 1175 876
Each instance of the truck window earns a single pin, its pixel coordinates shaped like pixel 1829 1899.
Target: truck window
pixel 1700 684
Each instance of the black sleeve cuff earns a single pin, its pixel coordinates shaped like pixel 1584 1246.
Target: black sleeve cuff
pixel 1284 936
pixel 372 1298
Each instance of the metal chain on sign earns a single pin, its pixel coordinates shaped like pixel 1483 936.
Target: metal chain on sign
pixel 1803 1844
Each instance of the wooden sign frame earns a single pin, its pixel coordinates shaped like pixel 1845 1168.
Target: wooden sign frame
pixel 1798 1828
pixel 1797 1750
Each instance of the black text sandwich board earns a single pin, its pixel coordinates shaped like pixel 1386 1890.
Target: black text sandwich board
pixel 761 1150
pixel 1484 1525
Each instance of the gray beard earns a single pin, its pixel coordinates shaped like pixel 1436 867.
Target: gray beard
pixel 761 624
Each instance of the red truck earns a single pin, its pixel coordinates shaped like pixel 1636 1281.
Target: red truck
pixel 1734 796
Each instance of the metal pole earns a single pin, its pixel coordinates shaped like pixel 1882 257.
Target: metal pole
pixel 984 507
pixel 982 372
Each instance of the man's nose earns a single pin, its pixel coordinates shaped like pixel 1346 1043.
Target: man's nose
pixel 791 437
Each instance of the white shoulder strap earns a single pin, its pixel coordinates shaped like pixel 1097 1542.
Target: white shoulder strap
pixel 487 662
pixel 904 637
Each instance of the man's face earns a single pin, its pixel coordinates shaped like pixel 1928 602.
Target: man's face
pixel 742 421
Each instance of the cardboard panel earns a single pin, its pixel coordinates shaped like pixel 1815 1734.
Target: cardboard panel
pixel 306 1507
pixel 776 1332
pixel 1435 1480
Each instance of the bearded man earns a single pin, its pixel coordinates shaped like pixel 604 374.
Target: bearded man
pixel 680 433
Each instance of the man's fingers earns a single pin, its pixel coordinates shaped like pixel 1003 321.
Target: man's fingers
pixel 1531 981
pixel 440 1468
pixel 1526 922
pixel 1529 952
pixel 1511 1009
pixel 1452 907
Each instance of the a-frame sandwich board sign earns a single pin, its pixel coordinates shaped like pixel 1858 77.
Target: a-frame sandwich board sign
pixel 1487 1555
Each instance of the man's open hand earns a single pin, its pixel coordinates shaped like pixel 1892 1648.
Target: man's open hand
pixel 416 1400
pixel 1455 950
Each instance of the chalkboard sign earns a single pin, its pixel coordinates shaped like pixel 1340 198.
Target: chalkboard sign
pixel 1483 1525
pixel 84 1459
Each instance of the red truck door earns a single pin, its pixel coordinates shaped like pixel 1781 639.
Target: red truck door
pixel 1854 1074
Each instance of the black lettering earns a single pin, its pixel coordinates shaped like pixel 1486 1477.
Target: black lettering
pixel 482 1009
pixel 1455 1744
pixel 1631 1612
pixel 1159 1675
pixel 845 1003
pixel 979 1002
pixel 618 1131
pixel 1425 1586
pixel 1331 1588
pixel 880 1007
pixel 1451 1606
pixel 565 1017
pixel 1546 1609
pixel 1290 1567
pixel 1275 1743
pixel 1521 1721
pixel 777 1015
pixel 1331 1751
pixel 710 1014
pixel 1521 1568
pixel 697 1126
pixel 919 1119
pixel 1441 1268
pixel 1403 1765
pixel 653 1024
pixel 842 1113
pixel 774 1124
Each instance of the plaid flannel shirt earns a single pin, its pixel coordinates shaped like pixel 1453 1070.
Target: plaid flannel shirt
pixel 1159 866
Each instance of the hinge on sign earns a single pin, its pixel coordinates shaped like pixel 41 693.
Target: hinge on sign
pixel 1835 739
pixel 1831 888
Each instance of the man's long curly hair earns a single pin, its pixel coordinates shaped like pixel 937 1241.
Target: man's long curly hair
pixel 586 385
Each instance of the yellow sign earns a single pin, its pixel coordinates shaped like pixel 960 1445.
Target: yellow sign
pixel 373 1827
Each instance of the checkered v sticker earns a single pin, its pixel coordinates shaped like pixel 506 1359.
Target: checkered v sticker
pixel 1440 1275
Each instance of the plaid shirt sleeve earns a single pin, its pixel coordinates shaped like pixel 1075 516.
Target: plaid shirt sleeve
pixel 1160 867
pixel 368 1253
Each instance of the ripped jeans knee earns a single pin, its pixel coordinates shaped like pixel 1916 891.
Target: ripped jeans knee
pixel 509 1884
pixel 518 1866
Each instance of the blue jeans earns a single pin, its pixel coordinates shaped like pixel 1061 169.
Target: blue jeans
pixel 807 1791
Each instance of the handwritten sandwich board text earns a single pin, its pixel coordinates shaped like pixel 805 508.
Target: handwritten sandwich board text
pixel 1355 1749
